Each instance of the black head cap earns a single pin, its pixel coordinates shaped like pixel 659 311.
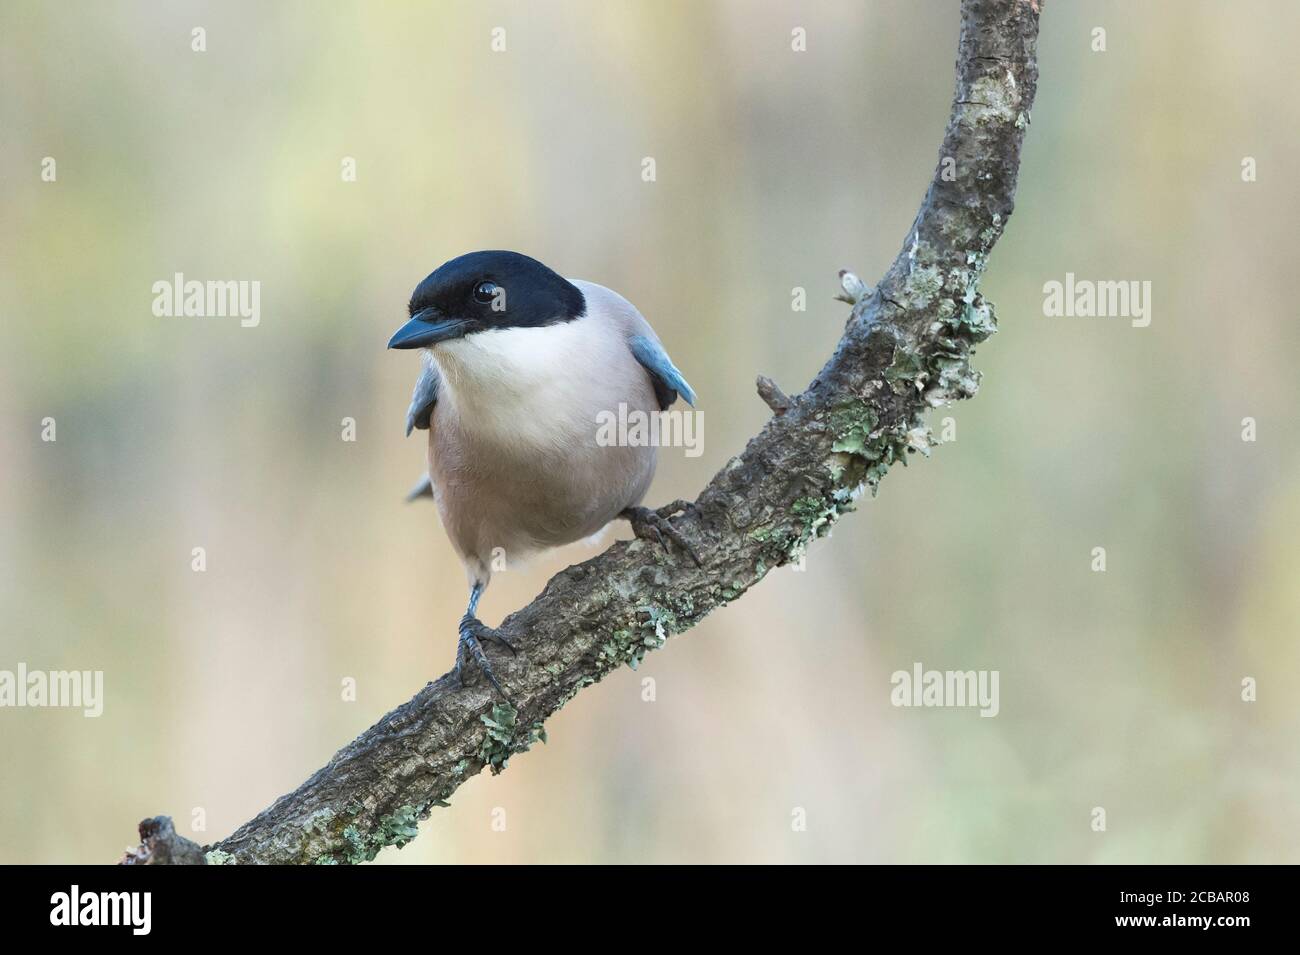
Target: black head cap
pixel 486 290
pixel 498 289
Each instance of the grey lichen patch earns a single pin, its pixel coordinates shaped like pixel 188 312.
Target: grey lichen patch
pixel 906 373
pixel 996 99
pixel 599 600
pixel 654 625
pixel 923 285
pixel 495 750
pixel 729 592
pixel 219 857
pixel 880 427
pixel 321 821
pixel 397 828
pixel 778 546
pixel 657 624
pixel 682 606
pixel 504 737
pixel 919 439
pixel 393 829
pixel 353 852
pixel 852 424
pixel 886 447
pixel 317 840
pixel 867 448
pixel 497 745
pixel 816 516
pixel 977 320
pixel 574 688
pixel 952 377
pixel 339 837
pixel 949 373
pixel 620 647
pixel 987 238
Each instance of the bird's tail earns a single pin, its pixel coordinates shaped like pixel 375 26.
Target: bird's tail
pixel 423 488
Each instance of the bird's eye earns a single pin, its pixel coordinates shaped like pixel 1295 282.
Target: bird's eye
pixel 485 292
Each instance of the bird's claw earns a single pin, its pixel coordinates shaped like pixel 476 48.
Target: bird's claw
pixel 473 634
pixel 654 524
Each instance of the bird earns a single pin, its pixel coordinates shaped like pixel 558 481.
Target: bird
pixel 518 365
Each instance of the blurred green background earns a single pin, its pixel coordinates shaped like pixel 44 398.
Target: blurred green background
pixel 774 169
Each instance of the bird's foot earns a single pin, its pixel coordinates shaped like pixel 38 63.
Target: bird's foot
pixel 473 634
pixel 654 524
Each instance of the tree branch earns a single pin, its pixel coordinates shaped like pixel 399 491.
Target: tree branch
pixel 906 348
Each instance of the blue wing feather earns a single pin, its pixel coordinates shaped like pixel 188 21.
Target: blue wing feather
pixel 668 381
pixel 423 399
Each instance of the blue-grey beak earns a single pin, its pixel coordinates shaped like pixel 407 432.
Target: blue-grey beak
pixel 427 328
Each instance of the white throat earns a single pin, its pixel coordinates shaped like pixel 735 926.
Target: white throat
pixel 502 367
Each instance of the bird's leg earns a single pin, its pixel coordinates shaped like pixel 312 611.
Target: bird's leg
pixel 473 633
pixel 654 525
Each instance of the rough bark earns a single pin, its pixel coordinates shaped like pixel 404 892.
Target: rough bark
pixel 906 348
